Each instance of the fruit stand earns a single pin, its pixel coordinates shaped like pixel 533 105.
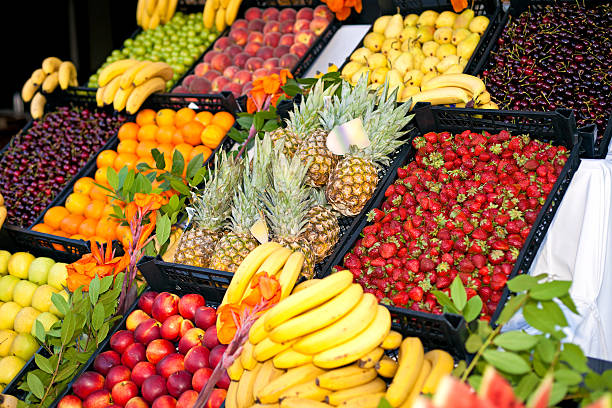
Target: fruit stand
pixel 316 204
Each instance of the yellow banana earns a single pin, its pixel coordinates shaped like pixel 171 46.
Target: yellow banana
pixel 74 82
pixel 51 64
pixel 306 284
pixel 356 321
pixel 100 96
pixel 209 14
pixel 290 359
pixel 386 367
pixel 346 377
pixel 275 261
pixel 223 3
pixel 319 317
pixel 489 105
pixel 154 20
pixel 110 90
pixel 232 392
pixel 127 78
pixel 470 83
pixel 246 357
pixel 38 76
pixel 309 390
pixel 267 373
pixel 273 390
pixel 370 359
pixel 139 11
pixel 235 370
pixel 315 295
pixel 411 359
pixel 231 10
pixel 265 406
pixel 392 341
pixel 114 69
pixel 244 396
pixel 150 6
pixel 441 364
pixel 121 98
pixel 359 345
pixel 28 90
pixel 37 107
pixel 290 273
pixel 441 96
pixel 364 401
pixel 50 82
pixel 375 386
pixel 160 10
pixel 146 19
pixel 66 72
pixel 418 385
pixel 258 331
pixel 267 349
pixel 142 92
pixel 170 10
pixel 220 19
pixel 483 98
pixel 302 403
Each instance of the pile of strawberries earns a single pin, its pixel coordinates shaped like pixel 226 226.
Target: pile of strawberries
pixel 463 207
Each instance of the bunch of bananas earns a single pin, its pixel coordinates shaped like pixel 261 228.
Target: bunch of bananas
pixel 220 13
pixel 53 72
pixel 455 89
pixel 324 345
pixel 151 13
pixel 2 211
pixel 128 83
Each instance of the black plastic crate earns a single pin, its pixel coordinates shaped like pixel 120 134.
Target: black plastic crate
pixel 447 331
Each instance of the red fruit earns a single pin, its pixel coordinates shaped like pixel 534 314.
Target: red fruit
pixel 193 337
pixel 178 383
pixel 200 378
pixel 484 292
pixel 165 401
pixel 70 401
pixel 186 325
pixel 121 340
pixel 210 337
pixel 123 392
pixel 98 399
pixel 147 331
pixel 443 282
pixel 116 375
pixel 187 400
pixel 188 305
pixel 87 383
pixel 216 354
pixel 134 319
pixel 133 354
pixel 146 301
pixel 136 402
pixel 426 265
pixel 106 360
pixel 196 358
pixel 158 349
pixel 205 317
pixel 479 260
pixel 498 281
pixel 216 398
pixel 400 299
pixel 171 328
pixel 164 306
pixel 224 381
pixel 153 387
pixel 416 294
pixel 171 364
pixel 387 250
pixel 142 371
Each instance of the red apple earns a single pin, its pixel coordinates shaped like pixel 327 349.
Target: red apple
pixel 147 331
pixel 260 73
pixel 281 50
pixel 199 85
pixel 153 387
pixel 216 398
pixel 298 49
pixel 70 401
pixel 134 319
pixel 229 72
pixel 305 13
pixel 305 37
pixel 165 401
pixel 240 23
pixel 271 63
pixel 166 304
pixel 187 400
pixel 233 50
pixel 193 337
pixel 287 14
pixel 200 378
pixel 239 35
pixel 170 364
pixel 142 371
pixel 146 301
pixel 271 26
pixel 220 62
pixel 286 27
pixel 158 349
pixel 98 399
pixel 87 383
pixel 216 354
pixel 271 13
pixel 265 52
pixel 218 83
pixel 254 63
pixel 241 59
pixel 255 37
pixel 178 383
pixel 272 39
pixel 116 375
pixel 133 354
pixel 256 25
pixel 196 358
pixel 106 360
pixel 318 25
pixel 251 49
pixel 324 12
pixel 201 68
pixel 222 43
pixel 243 76
pixel 123 392
pixel 252 13
pixel 186 325
pixel 224 381
pixel 136 402
pixel 210 55
pixel 210 337
pixel 234 88
pixel 171 327
pixel 211 75
pixel 287 39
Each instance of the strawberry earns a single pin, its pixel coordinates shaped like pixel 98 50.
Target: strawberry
pixel 413 265
pixel 351 261
pixel 443 282
pixel 426 265
pixel 479 260
pixel 491 307
pixel 369 240
pixel 400 299
pixel 470 293
pixel 387 250
pixel 416 294
pixel 485 293
pixel 466 265
pixel 402 172
pixel 496 256
pixel 498 281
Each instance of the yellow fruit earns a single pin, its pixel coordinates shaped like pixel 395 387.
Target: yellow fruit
pixel 19 264
pixel 4 258
pixel 429 64
pixel 6 340
pixel 39 270
pixel 413 77
pixel 41 300
pixel 411 20
pixel 7 285
pixel 445 49
pixel 479 24
pixel 9 368
pixel 443 35
pixel 425 33
pixel 427 18
pixel 53 309
pixel 463 19
pixel 25 319
pixel 57 275
pixel 23 292
pixel 24 346
pixel 446 19
pixel 47 319
pixel 408 33
pixel 430 48
pixel 8 312
pixel 360 55
pixel 380 24
pixel 373 41
pixel 459 34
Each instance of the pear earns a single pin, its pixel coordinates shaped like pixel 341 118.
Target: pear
pixel 446 19
pixel 429 48
pixel 395 79
pixel 411 20
pixel 373 41
pixel 350 68
pixel 447 62
pixel 466 48
pixel 479 24
pixel 406 46
pixel 413 77
pixel 408 33
pixel 427 18
pixel 399 89
pixel 361 71
pixel 389 44
pixel 380 24
pixel 428 76
pixel 454 69
pixel 429 65
pixel 443 35
pixel 459 34
pixel 377 60
pixel 446 49
pixel 425 34
pixel 403 63
pixel 408 91
pixel 394 26
pixel 418 61
pixel 463 19
pixel 360 55
pixel 379 75
pixel 392 55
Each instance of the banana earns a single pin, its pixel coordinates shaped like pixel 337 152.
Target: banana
pixel 232 392
pixel 170 10
pixel 470 83
pixel 489 105
pixel 273 390
pixel 38 76
pixel 359 345
pixel 375 386
pixel 370 359
pixel 146 19
pixel 51 64
pixel 110 90
pixel 37 107
pixel 121 98
pixel 50 82
pixel 386 367
pixel 160 10
pixel 244 395
pixel 235 370
pixel 220 19
pixel 411 358
pixel 483 98
pixel 346 377
pixel 150 6
pixel 441 364
pixel 275 261
pixel 127 78
pixel 139 11
pixel 290 359
pixel 309 390
pixel 246 357
pixel 441 96
pixel 267 373
pixel 319 317
pixel 66 72
pixel 142 92
pixel 315 295
pixel 100 96
pixel 356 321
pixel 114 69
pixel 392 341
pixel 302 403
pixel 28 90
pixel 265 406
pixel 364 401
pixel 209 14
pixel 418 385
pixel 231 11
pixel 73 82
pixel 290 273
pixel 258 332
pixel 3 212
pixel 154 20
pixel 267 349
pixel 306 284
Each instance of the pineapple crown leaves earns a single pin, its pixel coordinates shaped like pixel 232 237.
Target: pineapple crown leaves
pixel 304 117
pixel 352 103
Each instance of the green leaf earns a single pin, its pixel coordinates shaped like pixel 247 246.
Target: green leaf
pixel 180 187
pixel 121 176
pixel 111 177
pixel 39 331
pixel 94 290
pixel 97 316
pixel 162 229
pixel 67 328
pixel 593 381
pixel 568 377
pixel 160 162
pixel 68 370
pixel 472 309
pixel 245 122
pixel 506 361
pixel 558 392
pixel 383 403
pixel 522 283
pixel 129 181
pixel 473 343
pixel 573 355
pixel 484 329
pixel 102 333
pixel 270 125
pixel 526 386
pixel 537 318
pixel 510 308
pixel 539 367
pixel 35 385
pixel 546 349
pixel 515 341
pixel 291 90
pixel 258 120
pixel 106 283
pixel 178 164
pixel 237 135
pixel 43 363
pixel 194 165
pixel 553 310
pixel 475 381
pixel 459 369
pixel 550 290
pixel 445 301
pixel 458 293
pixel 607 376
pixel 143 167
pixel 569 303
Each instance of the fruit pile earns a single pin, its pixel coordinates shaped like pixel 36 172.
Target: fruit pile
pixel 150 14
pixel 409 51
pixel 25 298
pixel 179 43
pixel 42 159
pixel 463 207
pixel 554 57
pixel 86 213
pixel 220 14
pixel 327 342
pixel 263 43
pixel 163 358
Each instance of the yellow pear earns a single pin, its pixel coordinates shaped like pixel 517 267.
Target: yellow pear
pixel 446 49
pixel 9 368
pixel 7 285
pixel 459 34
pixel 380 24
pixel 379 75
pixel 360 54
pixel 57 275
pixel 463 19
pixel 350 68
pixel 25 319
pixel 39 270
pixel 23 292
pixel 377 60
pixel 443 35
pixel 425 34
pixel 479 24
pixel 446 63
pixel 446 19
pixel 373 41
pixel 428 76
pixel 4 259
pixel 8 312
pixel 406 45
pixel 413 78
pixel 408 33
pixel 361 71
pixel 429 64
pixel 19 263
pixel 411 20
pixel 53 309
pixel 429 48
pixel 454 69
pixel 403 63
pixel 395 79
pixel 41 300
pixel 6 340
pixel 395 26
pixel 392 55
pixel 408 91
pixel 418 61
pixel 47 319
pixel 427 18
pixel 24 346
pixel 466 48
pixel 390 44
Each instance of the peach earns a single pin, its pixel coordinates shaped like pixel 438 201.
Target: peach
pixel 210 55
pixel 206 316
pixel 324 12
pixel 239 35
pixel 195 336
pixel 282 50
pixel 180 90
pixel 305 37
pixel 287 14
pixel 234 88
pixel 70 401
pixel 106 360
pixel 298 49
pixel 216 354
pixel 188 80
pixel 259 73
pixel 218 83
pixel 286 26
pixel 186 325
pixel 301 25
pixel 200 378
pixel 265 52
pixel 158 349
pixel 241 59
pixel 200 85
pixel 197 358
pixel 289 60
pixel 134 354
pixel 146 301
pixel 170 365
pixel 233 50
pixel 153 387
pixel 121 340
pixel 256 25
pixel 254 63
pixel 287 39
pixel 271 26
pixel 123 392
pixel 229 72
pixel 275 70
pixel 136 402
pixel 141 372
pixel 116 375
pixel 271 63
pixel 318 25
pixel 240 23
pixel 211 75
pixel 187 399
pixel 255 37
pixel 210 337
pixel 222 43
pixel 252 48
pixel 147 331
pixel 252 13
pixel 272 39
pixel 134 319
pixel 305 13
pixel 98 399
pixel 178 383
pixel 242 77
pixel 271 13
pixel 165 401
pixel 224 381
pixel 87 383
pixel 202 68
pixel 220 62
pixel 216 398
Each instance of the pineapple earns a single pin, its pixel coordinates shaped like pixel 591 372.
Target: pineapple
pixel 236 244
pixel 355 177
pixel 209 213
pixel 289 140
pixel 322 229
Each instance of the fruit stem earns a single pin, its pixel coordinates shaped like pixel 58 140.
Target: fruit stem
pixel 253 130
pixel 481 350
pixel 51 382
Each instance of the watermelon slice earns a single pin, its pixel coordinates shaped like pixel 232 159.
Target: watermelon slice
pixel 453 393
pixel 603 402
pixel 498 392
pixel 541 396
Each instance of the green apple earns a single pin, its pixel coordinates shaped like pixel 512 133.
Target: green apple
pixel 38 270
pixel 9 368
pixel 8 312
pixel 19 263
pixel 23 292
pixel 24 346
pixel 4 258
pixel 6 340
pixel 41 300
pixel 47 319
pixel 57 276
pixel 25 319
pixel 7 285
pixel 53 309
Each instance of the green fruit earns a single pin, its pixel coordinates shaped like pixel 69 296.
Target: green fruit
pixel 24 346
pixel 4 259
pixel 8 312
pixel 42 298
pixel 6 340
pixel 23 292
pixel 25 319
pixel 19 263
pixel 47 319
pixel 57 276
pixel 39 268
pixel 9 368
pixel 7 284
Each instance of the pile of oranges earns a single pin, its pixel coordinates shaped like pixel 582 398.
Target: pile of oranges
pixel 87 211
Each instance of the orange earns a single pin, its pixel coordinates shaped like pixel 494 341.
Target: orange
pixel 100 176
pixel 177 137
pixel 83 185
pixel 106 158
pixel 164 134
pixel 124 234
pixel 206 152
pixel 128 130
pixel 165 117
pixel 60 233
pixel 108 210
pixel 55 215
pixel 88 227
pixel 184 116
pixel 144 148
pixel 212 136
pixel 106 228
pixel 127 146
pixel 204 117
pixel 98 239
pixel 79 236
pixel 94 209
pixel 192 131
pixel 125 159
pixel 146 117
pixel 98 193
pixel 76 203
pixel 185 149
pixel 224 120
pixel 70 224
pixel 147 132
pixel 44 228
